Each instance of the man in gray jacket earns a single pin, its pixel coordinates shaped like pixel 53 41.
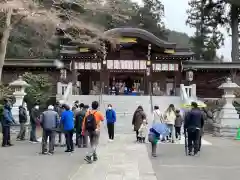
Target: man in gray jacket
pixel 49 121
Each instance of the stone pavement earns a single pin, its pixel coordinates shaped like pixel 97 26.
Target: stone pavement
pixel 123 159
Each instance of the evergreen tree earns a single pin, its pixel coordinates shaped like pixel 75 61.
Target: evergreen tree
pixel 206 16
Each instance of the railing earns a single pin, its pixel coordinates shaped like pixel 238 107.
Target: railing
pixel 64 91
pixel 188 93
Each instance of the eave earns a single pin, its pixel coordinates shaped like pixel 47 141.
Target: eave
pixel 210 65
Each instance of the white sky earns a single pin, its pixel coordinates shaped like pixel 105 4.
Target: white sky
pixel 175 17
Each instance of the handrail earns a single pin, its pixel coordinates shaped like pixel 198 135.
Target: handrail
pixel 67 92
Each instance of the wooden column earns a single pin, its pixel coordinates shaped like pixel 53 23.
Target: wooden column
pixel 148 77
pixel 74 77
pixel 104 75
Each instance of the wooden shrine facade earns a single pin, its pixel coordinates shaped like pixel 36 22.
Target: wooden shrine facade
pixel 140 61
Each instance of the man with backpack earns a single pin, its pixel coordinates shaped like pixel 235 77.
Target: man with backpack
pixel 111 119
pixel 91 127
pixel 79 116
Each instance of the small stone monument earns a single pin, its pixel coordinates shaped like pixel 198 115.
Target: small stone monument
pixel 228 120
pixel 19 87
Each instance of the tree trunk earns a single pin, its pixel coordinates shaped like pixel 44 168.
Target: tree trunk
pixel 4 40
pixel 235 36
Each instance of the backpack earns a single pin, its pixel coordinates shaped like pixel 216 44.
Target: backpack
pixel 90 122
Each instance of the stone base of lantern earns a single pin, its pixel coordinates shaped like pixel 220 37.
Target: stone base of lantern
pixel 228 123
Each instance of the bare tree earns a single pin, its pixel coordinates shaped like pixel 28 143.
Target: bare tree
pixel 48 14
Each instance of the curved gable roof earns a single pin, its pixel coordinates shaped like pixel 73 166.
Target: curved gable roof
pixel 140 33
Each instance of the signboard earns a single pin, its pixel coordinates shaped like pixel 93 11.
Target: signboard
pixel 87 65
pixel 127 40
pixel 126 64
pixel 165 67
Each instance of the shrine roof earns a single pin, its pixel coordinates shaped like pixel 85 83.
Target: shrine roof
pixel 210 65
pixel 140 33
pixel 29 62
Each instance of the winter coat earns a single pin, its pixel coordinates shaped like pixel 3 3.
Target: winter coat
pixel 79 120
pixel 49 120
pixel 157 116
pixel 22 115
pixel 194 120
pixel 170 117
pixel 34 116
pixel 178 120
pixel 7 118
pixel 110 116
pixel 138 118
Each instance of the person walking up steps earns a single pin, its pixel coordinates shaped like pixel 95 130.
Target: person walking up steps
pixel 143 131
pixel 138 118
pixel 170 120
pixel 91 127
pixel 111 119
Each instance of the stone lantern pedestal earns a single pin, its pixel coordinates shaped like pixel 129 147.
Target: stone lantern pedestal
pixel 228 120
pixel 19 87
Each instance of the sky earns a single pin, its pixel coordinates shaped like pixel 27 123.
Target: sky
pixel 175 17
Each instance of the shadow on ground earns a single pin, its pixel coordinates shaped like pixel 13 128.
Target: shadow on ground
pixel 23 162
pixel 217 162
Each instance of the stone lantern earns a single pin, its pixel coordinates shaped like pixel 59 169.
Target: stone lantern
pixel 228 120
pixel 19 87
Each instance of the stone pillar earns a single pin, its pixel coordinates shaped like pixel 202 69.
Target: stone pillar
pixel 228 120
pixel 19 92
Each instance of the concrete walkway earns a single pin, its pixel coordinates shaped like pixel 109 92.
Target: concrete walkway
pixel 122 159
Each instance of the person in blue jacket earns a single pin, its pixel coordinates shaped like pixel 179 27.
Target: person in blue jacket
pixel 67 120
pixel 7 121
pixel 111 119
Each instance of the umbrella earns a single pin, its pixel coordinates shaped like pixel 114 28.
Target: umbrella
pixel 200 104
pixel 160 129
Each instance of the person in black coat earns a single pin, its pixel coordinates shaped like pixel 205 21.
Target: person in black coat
pixel 22 121
pixel 194 122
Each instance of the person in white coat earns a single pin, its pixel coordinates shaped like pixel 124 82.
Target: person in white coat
pixel 170 117
pixel 157 115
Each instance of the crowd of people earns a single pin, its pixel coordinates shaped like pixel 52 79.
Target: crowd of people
pixel 85 122
pixel 60 119
pixel 167 127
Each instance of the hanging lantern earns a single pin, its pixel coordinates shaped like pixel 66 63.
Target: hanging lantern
pixel 189 75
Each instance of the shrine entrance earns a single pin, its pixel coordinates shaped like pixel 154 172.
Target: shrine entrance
pixel 126 83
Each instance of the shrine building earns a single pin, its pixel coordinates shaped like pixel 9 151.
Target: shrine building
pixel 140 62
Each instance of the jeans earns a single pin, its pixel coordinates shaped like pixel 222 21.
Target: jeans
pixel 6 135
pixel 178 132
pixel 94 140
pixel 110 127
pixel 22 131
pixel 69 140
pixel 33 132
pixel 51 135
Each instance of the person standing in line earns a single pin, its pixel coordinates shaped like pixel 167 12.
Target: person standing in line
pixel 34 117
pixel 91 127
pixel 49 121
pixel 79 116
pixel 7 121
pixel 22 121
pixel 67 119
pixel 137 120
pixel 193 123
pixel 170 117
pixel 58 108
pixel 111 119
pixel 178 124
